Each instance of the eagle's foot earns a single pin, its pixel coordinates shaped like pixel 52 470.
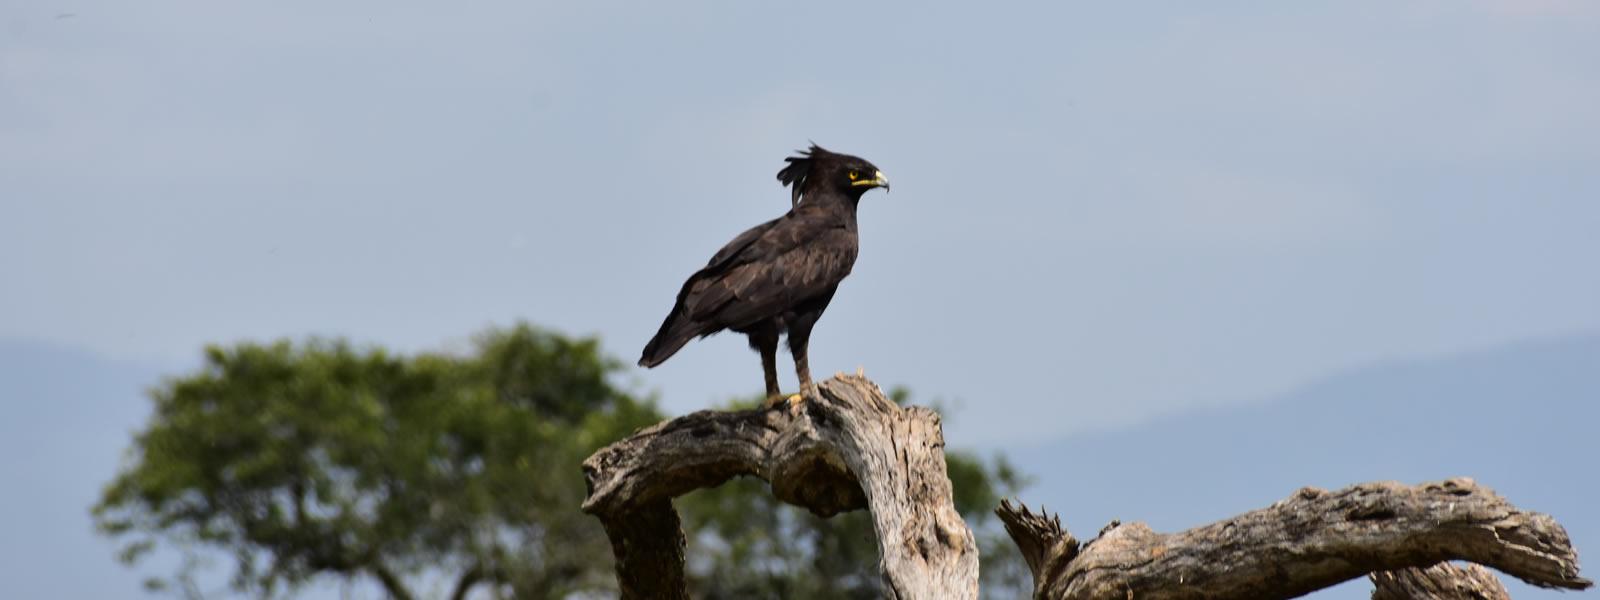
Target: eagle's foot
pixel 789 401
pixel 773 400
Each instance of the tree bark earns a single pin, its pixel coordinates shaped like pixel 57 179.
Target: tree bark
pixel 1442 581
pixel 1312 540
pixel 817 455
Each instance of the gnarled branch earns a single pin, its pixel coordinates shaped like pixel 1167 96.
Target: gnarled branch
pixel 848 448
pixel 1442 581
pixel 1312 540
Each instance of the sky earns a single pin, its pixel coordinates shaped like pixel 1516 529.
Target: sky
pixel 1102 214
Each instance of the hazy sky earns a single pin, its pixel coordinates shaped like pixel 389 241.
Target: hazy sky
pixel 1101 213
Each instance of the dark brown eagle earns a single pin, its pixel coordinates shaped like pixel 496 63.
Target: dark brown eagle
pixel 777 277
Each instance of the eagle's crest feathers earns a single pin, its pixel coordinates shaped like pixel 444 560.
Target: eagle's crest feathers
pixel 799 170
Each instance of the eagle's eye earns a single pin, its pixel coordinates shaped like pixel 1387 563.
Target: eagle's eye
pixel 854 175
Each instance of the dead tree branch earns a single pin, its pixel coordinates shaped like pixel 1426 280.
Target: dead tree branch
pixel 1443 581
pixel 816 455
pixel 1312 540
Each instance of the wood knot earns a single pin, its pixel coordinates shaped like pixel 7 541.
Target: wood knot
pixel 1456 486
pixel 1372 509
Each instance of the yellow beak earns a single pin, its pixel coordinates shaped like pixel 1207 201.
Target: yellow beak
pixel 878 180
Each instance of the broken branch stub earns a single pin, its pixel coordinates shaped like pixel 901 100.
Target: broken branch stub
pixel 849 447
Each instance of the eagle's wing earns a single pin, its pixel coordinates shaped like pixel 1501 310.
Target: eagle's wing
pixel 794 260
pixel 763 272
pixel 734 248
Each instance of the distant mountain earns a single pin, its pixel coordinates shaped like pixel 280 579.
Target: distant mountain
pixel 1523 420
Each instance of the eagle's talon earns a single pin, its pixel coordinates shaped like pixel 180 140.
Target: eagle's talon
pixel 773 401
pixel 797 400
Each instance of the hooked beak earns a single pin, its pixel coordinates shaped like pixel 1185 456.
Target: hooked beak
pixel 878 180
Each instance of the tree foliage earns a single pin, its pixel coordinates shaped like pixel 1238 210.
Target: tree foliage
pixel 322 458
pixel 326 459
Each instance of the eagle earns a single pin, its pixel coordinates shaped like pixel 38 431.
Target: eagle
pixel 777 277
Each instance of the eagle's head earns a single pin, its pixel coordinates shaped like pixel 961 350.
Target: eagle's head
pixel 818 171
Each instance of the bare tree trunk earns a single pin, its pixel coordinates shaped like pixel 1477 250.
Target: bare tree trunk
pixel 816 455
pixel 1312 540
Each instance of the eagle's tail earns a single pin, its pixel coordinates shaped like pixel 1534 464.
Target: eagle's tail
pixel 676 331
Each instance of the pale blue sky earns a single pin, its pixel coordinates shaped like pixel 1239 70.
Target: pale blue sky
pixel 1099 213
pixel 1102 213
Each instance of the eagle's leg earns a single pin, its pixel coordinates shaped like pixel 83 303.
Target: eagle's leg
pixel 765 340
pixel 802 367
pixel 769 368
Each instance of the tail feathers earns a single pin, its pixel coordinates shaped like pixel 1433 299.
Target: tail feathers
pixel 674 333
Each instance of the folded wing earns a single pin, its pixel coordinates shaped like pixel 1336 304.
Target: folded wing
pixel 765 272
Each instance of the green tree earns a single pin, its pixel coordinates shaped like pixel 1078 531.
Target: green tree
pixel 324 459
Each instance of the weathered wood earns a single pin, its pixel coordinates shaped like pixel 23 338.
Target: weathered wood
pixel 1443 581
pixel 1045 545
pixel 1312 540
pixel 649 566
pixel 814 454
